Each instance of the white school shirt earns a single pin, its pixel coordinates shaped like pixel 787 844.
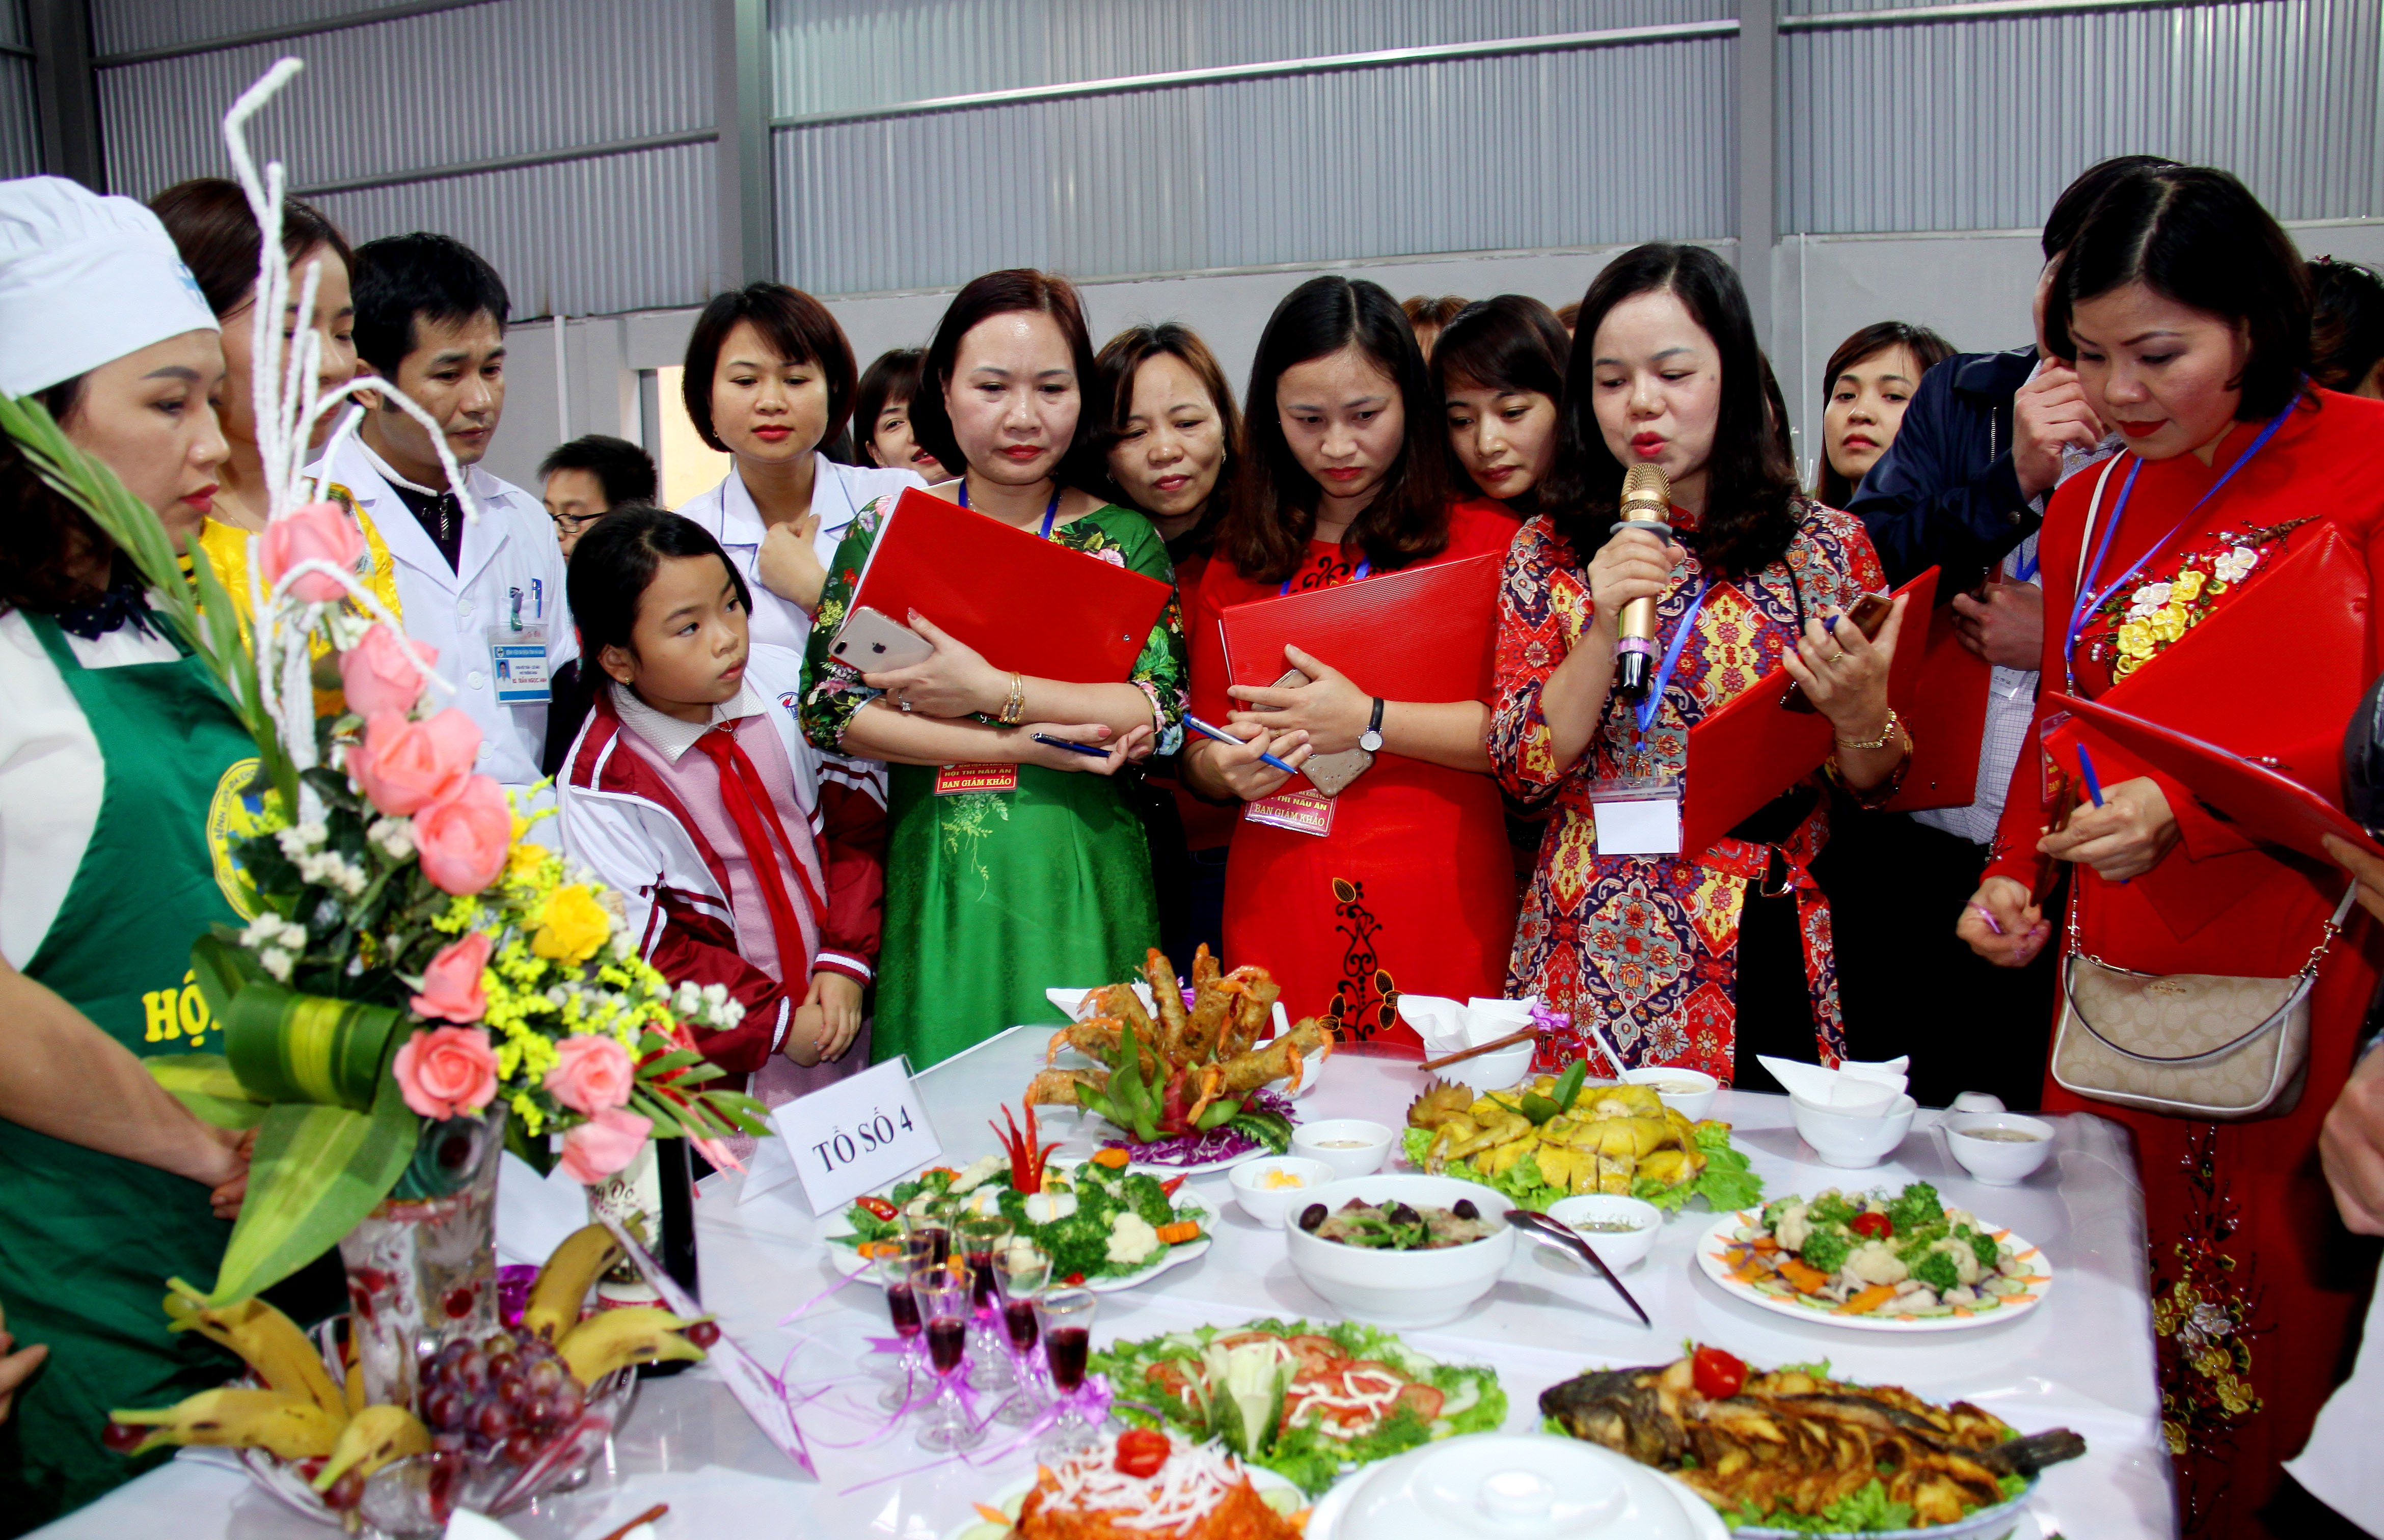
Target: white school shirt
pixel 511 546
pixel 839 493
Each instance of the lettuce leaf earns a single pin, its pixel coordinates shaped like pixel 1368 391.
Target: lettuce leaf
pixel 1729 1180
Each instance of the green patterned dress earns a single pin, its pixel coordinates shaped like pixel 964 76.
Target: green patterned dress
pixel 991 898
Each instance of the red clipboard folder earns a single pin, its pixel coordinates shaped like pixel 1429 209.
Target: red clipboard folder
pixel 1028 604
pixel 1947 719
pixel 1427 634
pixel 1752 749
pixel 2265 803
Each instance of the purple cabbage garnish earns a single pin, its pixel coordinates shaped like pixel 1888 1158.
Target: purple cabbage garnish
pixel 1222 1143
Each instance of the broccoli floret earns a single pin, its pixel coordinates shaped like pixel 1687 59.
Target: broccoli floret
pixel 1910 1247
pixel 1827 1250
pixel 1918 1205
pixel 1937 1270
pixel 1983 1247
pixel 1013 1206
pixel 1833 1208
pixel 1079 1243
pixel 1148 1199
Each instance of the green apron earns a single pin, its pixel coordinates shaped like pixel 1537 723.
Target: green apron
pixel 87 1240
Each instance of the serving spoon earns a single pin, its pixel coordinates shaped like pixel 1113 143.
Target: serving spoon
pixel 1549 1232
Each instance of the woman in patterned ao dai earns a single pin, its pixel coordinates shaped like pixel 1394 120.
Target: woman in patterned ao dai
pixel 1701 957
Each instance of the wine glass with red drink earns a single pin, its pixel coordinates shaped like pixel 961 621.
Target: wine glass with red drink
pixel 944 1295
pixel 1067 1344
pixel 1020 1274
pixel 981 1239
pixel 910 1321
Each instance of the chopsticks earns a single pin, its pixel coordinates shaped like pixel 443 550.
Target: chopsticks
pixel 648 1517
pixel 1510 1040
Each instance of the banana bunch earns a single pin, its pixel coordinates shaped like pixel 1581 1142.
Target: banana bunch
pixel 1603 1139
pixel 301 1413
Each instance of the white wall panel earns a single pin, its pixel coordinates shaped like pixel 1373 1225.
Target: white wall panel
pixel 126 26
pixel 1978 125
pixel 20 134
pixel 1473 154
pixel 620 232
pixel 451 87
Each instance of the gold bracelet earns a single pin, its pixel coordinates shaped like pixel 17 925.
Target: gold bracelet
pixel 1885 733
pixel 1014 710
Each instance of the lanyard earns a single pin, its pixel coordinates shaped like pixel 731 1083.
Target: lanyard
pixel 1049 513
pixel 2025 569
pixel 1654 699
pixel 1358 576
pixel 2090 598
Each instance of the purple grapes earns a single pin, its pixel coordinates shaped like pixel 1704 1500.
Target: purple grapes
pixel 509 1395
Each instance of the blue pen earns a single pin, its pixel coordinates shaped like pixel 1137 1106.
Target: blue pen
pixel 1223 737
pixel 2093 782
pixel 1063 743
pixel 538 595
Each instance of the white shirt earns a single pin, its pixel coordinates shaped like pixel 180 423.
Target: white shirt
pixel 510 548
pixel 839 493
pixel 671 737
pixel 52 776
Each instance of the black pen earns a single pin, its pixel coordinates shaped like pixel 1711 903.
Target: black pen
pixel 1063 743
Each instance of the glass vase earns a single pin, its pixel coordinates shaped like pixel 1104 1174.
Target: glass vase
pixel 422 1266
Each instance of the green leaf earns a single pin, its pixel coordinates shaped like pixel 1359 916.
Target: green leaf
pixel 316 1173
pixel 205 1084
pixel 668 1063
pixel 1568 1085
pixel 1539 1109
pixel 539 1153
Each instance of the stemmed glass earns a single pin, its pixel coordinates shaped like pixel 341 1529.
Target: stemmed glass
pixel 928 1228
pixel 903 1308
pixel 1067 1344
pixel 982 1238
pixel 944 1296
pixel 1022 1273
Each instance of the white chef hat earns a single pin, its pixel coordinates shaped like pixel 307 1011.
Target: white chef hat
pixel 83 281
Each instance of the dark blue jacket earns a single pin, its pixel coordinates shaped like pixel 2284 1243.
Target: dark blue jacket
pixel 1945 494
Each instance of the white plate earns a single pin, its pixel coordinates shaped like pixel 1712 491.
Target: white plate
pixel 1009 1498
pixel 849 1263
pixel 2005 1521
pixel 1718 1252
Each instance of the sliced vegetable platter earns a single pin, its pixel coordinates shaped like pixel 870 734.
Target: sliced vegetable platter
pixel 1876 1261
pixel 1306 1400
pixel 1277 1493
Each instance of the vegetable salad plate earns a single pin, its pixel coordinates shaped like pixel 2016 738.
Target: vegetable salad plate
pixel 1876 1261
pixel 1183 1492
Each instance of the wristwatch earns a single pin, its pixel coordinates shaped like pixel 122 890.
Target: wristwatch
pixel 1372 738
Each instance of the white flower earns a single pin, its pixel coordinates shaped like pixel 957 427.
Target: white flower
pixel 276 962
pixel 716 995
pixel 269 929
pixel 558 997
pixel 2235 565
pixel 395 836
pixel 688 1000
pixel 2146 600
pixel 729 1013
pixel 300 839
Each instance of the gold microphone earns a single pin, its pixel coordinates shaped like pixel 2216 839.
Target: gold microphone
pixel 1646 504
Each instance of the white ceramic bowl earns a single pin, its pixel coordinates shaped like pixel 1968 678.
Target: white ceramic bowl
pixel 1997 1162
pixel 1352 1147
pixel 1692 1105
pixel 1852 1140
pixel 1502 1070
pixel 1616 1248
pixel 1402 1289
pixel 1272 1206
pixel 1512 1486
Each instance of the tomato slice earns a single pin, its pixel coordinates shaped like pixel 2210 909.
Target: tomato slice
pixel 878 1207
pixel 1716 1375
pixel 1141 1452
pixel 1168 1376
pixel 1319 1351
pixel 1874 1226
pixel 1426 1399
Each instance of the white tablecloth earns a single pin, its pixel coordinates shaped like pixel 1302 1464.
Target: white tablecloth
pixel 2083 1359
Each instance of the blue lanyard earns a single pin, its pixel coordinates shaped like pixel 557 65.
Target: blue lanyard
pixel 2025 569
pixel 1655 700
pixel 1358 576
pixel 1049 513
pixel 2090 598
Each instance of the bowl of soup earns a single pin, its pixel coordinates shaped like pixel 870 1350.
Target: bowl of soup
pixel 1999 1149
pixel 1688 1092
pixel 1352 1147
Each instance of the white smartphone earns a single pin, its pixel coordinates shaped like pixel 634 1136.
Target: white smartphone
pixel 873 643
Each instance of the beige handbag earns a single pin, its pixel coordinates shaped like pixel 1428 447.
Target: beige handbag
pixel 2206 1046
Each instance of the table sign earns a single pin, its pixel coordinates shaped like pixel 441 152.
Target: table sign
pixel 756 1389
pixel 860 1134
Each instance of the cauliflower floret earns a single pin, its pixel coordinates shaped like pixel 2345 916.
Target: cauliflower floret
pixel 978 1171
pixel 1875 1261
pixel 1794 1224
pixel 1914 1303
pixel 1131 1239
pixel 1956 1218
pixel 1965 1261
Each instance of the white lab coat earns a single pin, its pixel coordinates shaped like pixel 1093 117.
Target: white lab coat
pixel 510 546
pixel 839 493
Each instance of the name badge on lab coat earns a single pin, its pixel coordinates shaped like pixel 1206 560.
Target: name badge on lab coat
pixel 1639 816
pixel 517 665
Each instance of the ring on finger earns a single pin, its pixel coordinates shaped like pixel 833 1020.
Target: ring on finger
pixel 1836 657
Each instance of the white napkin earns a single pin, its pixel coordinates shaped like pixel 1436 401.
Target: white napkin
pixel 1071 1001
pixel 1446 1026
pixel 535 1213
pixel 1856 1086
pixel 464 1525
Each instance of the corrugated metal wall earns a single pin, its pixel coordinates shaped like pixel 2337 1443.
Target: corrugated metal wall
pixel 459 87
pixel 20 134
pixel 128 26
pixel 1462 155
pixel 1978 125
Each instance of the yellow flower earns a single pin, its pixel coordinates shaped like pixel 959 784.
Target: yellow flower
pixel 2173 1435
pixel 574 926
pixel 2167 623
pixel 524 859
pixel 2136 639
pixel 2186 585
pixel 2236 1397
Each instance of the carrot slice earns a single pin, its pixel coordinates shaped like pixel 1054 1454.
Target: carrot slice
pixel 991 1515
pixel 1803 1277
pixel 1868 1299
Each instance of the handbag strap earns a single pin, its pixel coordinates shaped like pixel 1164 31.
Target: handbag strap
pixel 2333 928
